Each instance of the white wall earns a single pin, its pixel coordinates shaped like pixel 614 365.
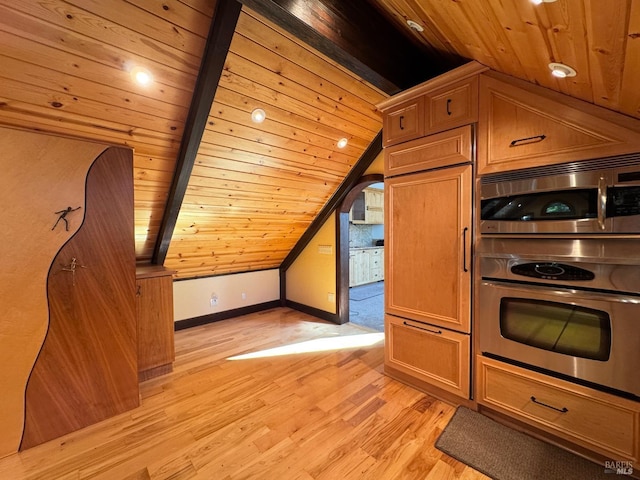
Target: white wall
pixel 192 298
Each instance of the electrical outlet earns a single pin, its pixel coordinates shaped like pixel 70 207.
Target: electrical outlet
pixel 243 296
pixel 331 297
pixel 213 301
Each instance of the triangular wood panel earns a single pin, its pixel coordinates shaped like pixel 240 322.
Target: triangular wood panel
pixel 524 125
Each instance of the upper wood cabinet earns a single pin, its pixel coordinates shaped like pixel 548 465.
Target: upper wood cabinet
pixel 368 207
pixel 439 104
pixel 452 106
pixel 403 122
pixel 523 125
pixel 439 150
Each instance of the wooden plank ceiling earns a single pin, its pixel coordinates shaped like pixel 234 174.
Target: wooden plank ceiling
pixel 599 39
pixel 255 188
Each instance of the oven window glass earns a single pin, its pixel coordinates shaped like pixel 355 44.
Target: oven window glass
pixel 558 327
pixel 540 206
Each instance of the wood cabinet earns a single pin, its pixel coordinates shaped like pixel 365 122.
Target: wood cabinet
pixel 439 104
pixel 154 310
pixel 368 207
pixel 366 265
pixel 451 106
pixel 523 125
pixel 601 422
pixel 428 247
pixel 434 355
pixel 403 122
pixel 439 150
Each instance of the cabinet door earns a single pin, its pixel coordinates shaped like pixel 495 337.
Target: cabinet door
pixel 451 107
pixel 154 308
pixel 376 265
pixel 403 122
pixel 431 354
pixel 524 126
pixel 427 243
pixel 439 150
pixel 360 272
pixel 374 204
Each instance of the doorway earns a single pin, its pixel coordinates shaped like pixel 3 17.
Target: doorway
pixel 361 261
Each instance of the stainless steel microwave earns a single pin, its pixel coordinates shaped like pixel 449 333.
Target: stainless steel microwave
pixel 593 196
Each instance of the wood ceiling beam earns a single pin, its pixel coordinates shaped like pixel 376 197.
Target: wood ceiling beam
pixel 223 25
pixel 357 36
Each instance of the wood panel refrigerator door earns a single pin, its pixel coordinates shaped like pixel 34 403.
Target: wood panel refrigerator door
pixel 87 368
pixel 428 252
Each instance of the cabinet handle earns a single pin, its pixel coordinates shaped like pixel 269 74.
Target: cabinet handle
pixel 401 122
pixel 561 410
pixel 437 332
pixel 464 249
pixel 138 292
pixel 526 141
pixel 448 105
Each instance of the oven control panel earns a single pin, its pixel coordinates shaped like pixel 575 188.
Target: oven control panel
pixel 552 271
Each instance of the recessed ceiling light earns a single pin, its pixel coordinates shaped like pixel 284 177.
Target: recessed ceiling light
pixel 258 115
pixel 342 142
pixel 415 26
pixel 561 70
pixel 141 76
pixel 538 2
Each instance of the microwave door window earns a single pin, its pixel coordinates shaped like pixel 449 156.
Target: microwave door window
pixel 542 206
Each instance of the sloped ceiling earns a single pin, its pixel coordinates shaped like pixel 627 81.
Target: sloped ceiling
pixel 255 189
pixel 599 39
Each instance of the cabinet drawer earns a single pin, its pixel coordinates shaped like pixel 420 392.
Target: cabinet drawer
pixel 439 150
pixel 432 354
pixel 404 122
pixel 451 107
pixel 598 421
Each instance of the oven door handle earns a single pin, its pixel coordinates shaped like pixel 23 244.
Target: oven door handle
pixel 602 202
pixel 564 292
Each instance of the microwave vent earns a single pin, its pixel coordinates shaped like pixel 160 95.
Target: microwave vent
pixel 564 168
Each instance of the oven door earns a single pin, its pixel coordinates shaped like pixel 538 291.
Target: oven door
pixel 589 336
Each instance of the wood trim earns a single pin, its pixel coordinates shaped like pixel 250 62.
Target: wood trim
pixel 316 312
pixel 216 317
pixel 357 36
pixel 221 32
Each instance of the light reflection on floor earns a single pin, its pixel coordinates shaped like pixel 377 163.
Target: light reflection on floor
pixel 317 345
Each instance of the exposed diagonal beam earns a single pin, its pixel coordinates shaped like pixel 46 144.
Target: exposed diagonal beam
pixel 357 36
pixel 223 25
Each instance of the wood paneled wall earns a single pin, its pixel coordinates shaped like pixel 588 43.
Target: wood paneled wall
pixel 65 69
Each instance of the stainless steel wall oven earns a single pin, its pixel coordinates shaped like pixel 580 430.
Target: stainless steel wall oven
pixel 567 307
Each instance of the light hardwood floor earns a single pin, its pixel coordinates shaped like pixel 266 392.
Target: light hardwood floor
pixel 302 416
